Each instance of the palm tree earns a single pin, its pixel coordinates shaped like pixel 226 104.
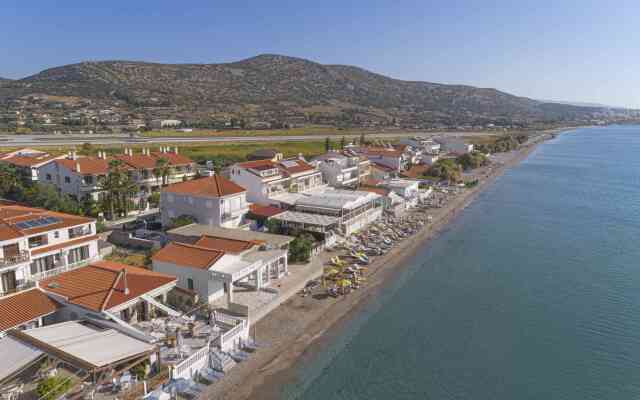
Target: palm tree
pixel 111 186
pixel 162 170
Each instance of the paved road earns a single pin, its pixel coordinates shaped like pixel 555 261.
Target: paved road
pixel 70 140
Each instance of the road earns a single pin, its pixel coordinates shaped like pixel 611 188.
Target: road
pixel 74 140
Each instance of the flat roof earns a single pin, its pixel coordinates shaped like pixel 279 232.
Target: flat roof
pixel 199 230
pixel 16 356
pixel 88 343
pixel 306 218
pixel 337 199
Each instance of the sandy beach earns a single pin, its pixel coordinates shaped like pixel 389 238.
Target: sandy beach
pixel 297 328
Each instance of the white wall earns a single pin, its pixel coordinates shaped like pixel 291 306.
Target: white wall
pixel 207 288
pixel 207 210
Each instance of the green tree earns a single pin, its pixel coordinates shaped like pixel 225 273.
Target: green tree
pixel 53 387
pixel 9 181
pixel 300 248
pixel 446 169
pixel 162 170
pixel 472 160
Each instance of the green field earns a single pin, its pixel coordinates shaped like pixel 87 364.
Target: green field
pixel 311 130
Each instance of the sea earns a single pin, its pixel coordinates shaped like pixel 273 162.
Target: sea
pixel 533 292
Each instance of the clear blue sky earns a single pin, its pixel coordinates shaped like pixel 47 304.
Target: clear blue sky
pixel 578 50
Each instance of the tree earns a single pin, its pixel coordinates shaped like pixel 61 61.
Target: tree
pixel 446 169
pixel 9 181
pixel 343 143
pixel 162 170
pixel 362 139
pixel 472 160
pixel 53 387
pixel 300 248
pixel 327 145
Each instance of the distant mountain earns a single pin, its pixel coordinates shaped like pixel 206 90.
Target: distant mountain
pixel 281 85
pixel 579 104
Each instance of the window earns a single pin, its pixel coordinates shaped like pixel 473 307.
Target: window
pixel 37 241
pixel 190 284
pixel 56 234
pixel 48 177
pixel 77 255
pixel 67 179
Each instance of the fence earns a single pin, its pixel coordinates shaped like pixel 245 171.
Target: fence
pixel 187 368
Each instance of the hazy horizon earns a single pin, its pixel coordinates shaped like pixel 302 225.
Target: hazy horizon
pixel 569 51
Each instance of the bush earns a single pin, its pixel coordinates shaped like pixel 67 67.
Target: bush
pixel 446 169
pixel 182 220
pixel 472 160
pixel 300 249
pixel 53 387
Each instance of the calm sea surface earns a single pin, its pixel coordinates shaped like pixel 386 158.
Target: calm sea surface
pixel 534 292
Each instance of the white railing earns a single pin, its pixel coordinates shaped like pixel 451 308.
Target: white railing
pixel 22 256
pixel 232 334
pixel 187 368
pixel 56 271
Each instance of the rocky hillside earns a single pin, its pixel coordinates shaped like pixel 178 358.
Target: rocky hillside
pixel 280 84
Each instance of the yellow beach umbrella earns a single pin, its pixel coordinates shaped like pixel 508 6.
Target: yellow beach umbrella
pixel 331 271
pixel 344 283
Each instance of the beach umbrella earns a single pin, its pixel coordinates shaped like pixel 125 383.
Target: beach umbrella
pixel 332 271
pixel 344 283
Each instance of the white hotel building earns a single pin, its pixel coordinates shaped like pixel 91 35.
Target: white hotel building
pixel 265 180
pixel 36 243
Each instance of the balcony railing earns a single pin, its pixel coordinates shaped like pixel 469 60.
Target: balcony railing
pixel 19 287
pixel 19 258
pixel 34 277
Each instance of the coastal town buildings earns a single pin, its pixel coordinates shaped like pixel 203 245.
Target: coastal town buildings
pixel 395 159
pixel 80 177
pixel 352 209
pixel 26 309
pixel 27 162
pixel 266 180
pixel 214 201
pixel 426 144
pixel 216 267
pixel 343 168
pixel 109 290
pixel 36 243
pixel 455 145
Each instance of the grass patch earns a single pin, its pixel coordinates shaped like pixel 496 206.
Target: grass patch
pixel 310 130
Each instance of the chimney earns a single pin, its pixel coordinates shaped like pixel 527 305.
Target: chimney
pixel 124 281
pixel 78 167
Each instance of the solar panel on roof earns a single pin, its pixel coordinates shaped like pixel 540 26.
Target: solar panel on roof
pixel 33 223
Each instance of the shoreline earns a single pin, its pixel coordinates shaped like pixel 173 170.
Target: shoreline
pixel 300 326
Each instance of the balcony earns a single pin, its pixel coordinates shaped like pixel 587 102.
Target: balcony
pixel 19 258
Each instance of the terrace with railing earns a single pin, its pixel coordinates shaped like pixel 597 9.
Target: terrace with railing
pixel 21 257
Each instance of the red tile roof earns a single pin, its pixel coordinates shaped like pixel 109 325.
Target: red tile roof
pixel 226 244
pixel 382 167
pixel 173 158
pixel 22 307
pixel 378 190
pixel 182 254
pixel 29 160
pixel 259 165
pixel 264 211
pixel 10 215
pixel 103 285
pixel 213 186
pixel 88 165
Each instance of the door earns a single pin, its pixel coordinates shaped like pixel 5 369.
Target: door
pixel 11 251
pixel 9 281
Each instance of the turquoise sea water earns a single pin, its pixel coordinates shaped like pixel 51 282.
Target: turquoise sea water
pixel 533 293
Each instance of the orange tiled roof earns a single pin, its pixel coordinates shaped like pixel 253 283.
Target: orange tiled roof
pixel 103 285
pixel 382 167
pixel 10 215
pixel 301 166
pixel 138 161
pixel 22 307
pixel 379 190
pixel 226 244
pixel 188 255
pixel 88 165
pixel 213 186
pixel 258 164
pixel 173 158
pixel 29 161
pixel 264 211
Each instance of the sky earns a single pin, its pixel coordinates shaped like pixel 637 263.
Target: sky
pixel 573 50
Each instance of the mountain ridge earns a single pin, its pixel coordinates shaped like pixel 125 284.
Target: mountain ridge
pixel 272 85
